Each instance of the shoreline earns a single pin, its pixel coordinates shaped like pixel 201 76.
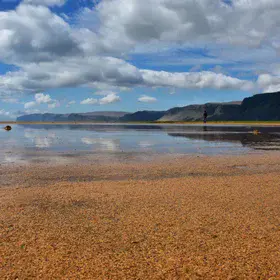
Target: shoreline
pixel 206 217
pixel 170 164
pixel 131 160
pixel 215 123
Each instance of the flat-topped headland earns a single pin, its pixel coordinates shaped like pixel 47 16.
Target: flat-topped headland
pixel 259 108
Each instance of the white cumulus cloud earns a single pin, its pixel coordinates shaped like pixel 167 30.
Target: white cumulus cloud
pixel 89 101
pixel 48 52
pixel 269 83
pixel 204 79
pixel 41 98
pixel 147 99
pixel 70 103
pixel 104 92
pixel 34 34
pixel 110 98
pixel 244 22
pixel 30 104
pixel 53 104
pixel 4 113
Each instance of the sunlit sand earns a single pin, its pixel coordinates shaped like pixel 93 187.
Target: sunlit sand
pixel 196 217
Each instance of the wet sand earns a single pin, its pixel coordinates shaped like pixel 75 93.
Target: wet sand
pixel 206 217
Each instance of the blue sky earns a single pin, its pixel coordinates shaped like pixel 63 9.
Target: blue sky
pixel 77 56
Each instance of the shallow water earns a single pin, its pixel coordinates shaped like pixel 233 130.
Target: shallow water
pixel 40 143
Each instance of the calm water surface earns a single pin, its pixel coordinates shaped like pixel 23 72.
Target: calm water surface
pixel 29 143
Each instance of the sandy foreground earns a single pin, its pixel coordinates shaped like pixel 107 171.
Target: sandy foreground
pixel 188 218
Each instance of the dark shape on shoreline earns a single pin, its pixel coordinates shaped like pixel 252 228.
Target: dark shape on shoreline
pixel 260 107
pixel 8 128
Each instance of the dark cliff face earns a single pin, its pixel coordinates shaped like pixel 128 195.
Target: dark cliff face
pixel 142 116
pixel 264 107
pixel 226 112
pixel 260 107
pixel 216 111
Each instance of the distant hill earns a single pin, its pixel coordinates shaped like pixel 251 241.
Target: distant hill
pixel 260 107
pixel 90 116
pixel 113 114
pixel 216 111
pixel 142 116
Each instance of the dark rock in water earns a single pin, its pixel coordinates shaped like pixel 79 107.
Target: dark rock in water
pixel 8 128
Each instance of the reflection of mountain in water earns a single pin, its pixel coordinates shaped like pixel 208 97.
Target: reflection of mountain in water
pixel 258 142
pixel 93 127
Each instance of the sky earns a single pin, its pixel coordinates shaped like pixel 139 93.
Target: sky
pixel 64 56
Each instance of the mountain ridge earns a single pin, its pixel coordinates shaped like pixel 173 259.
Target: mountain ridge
pixel 259 107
